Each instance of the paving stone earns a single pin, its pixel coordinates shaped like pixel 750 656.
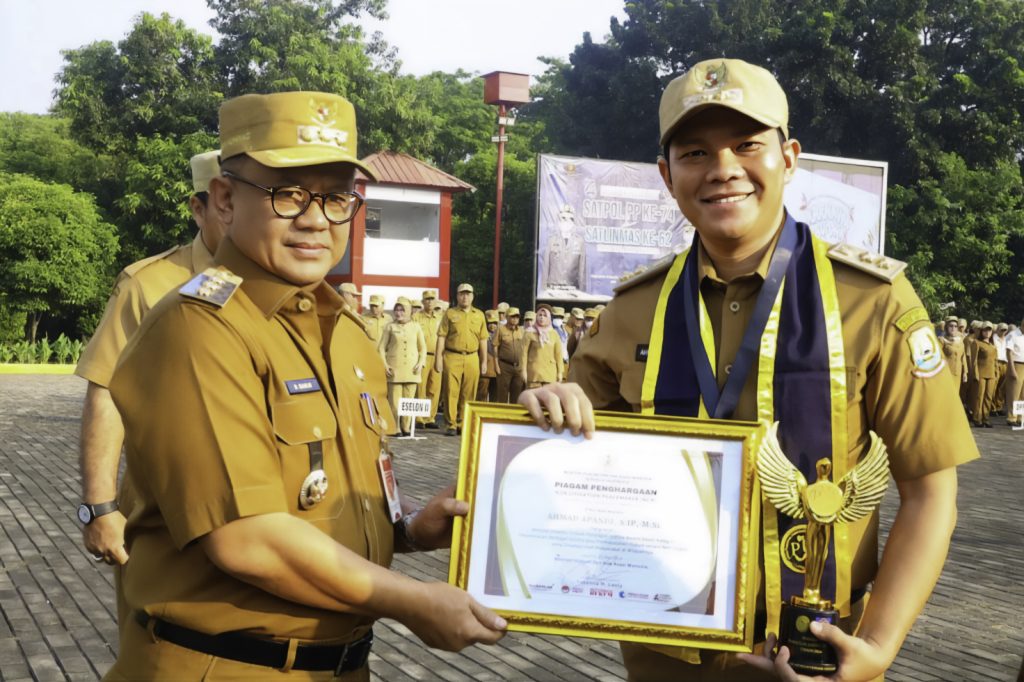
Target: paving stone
pixel 57 605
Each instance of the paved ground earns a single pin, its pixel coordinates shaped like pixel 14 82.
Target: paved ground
pixel 57 605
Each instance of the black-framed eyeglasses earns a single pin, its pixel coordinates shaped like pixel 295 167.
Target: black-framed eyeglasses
pixel 291 201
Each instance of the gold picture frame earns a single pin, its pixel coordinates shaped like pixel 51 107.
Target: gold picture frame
pixel 547 608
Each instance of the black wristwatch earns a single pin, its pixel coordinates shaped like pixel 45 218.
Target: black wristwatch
pixel 87 513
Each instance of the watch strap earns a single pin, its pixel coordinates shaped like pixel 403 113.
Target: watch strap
pixel 98 510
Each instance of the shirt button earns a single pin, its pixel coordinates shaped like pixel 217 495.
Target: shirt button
pixel 734 306
pixel 317 432
pixel 366 503
pixel 728 369
pixel 305 304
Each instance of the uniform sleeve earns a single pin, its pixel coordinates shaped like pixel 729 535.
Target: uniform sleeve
pixel 421 346
pixel 591 365
pixel 481 332
pixel 198 435
pixel 559 364
pixel 442 329
pixel 911 403
pixel 121 318
pixel 382 344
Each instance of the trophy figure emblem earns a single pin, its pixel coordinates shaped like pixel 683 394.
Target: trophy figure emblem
pixel 822 504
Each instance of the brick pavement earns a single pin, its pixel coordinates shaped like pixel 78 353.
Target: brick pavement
pixel 57 605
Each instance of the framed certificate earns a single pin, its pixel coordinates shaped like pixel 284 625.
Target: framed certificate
pixel 648 532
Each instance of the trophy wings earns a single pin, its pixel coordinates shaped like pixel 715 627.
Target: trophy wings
pixel 864 485
pixel 781 482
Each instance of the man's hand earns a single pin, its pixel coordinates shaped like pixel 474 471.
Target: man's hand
pixel 567 406
pixel 104 537
pixel 445 617
pixel 432 527
pixel 438 363
pixel 859 660
pixel 497 369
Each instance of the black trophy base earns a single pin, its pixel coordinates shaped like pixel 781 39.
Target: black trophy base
pixel 807 653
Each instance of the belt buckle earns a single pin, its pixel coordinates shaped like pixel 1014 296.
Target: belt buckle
pixel 342 660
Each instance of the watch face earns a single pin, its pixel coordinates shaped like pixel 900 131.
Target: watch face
pixel 84 515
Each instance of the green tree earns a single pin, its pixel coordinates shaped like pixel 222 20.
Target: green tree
pixel 55 249
pixel 42 146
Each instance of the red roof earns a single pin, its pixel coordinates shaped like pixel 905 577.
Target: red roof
pixel 395 168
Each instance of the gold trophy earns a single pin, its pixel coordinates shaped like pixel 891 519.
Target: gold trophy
pixel 822 503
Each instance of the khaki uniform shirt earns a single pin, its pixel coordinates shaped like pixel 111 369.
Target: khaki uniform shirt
pixel 510 345
pixel 429 322
pixel 463 330
pixel 219 417
pixel 402 347
pixel 920 419
pixel 138 288
pixel 984 356
pixel 375 325
pixel 953 350
pixel 492 357
pixel 543 362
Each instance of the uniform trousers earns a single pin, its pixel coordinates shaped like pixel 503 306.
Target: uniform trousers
pixel 486 389
pixel 430 388
pixel 461 374
pixel 1014 390
pixel 983 391
pixel 510 383
pixel 144 657
pixel 998 399
pixel 396 391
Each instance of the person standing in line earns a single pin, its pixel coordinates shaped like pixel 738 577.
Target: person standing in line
pixel 503 313
pixel 461 352
pixel 430 385
pixel 1014 372
pixel 999 341
pixel 138 288
pixel 953 349
pixel 541 360
pixel 510 350
pixel 968 390
pixel 404 353
pixel 983 361
pixel 376 319
pixel 578 331
pixel 488 386
pixel 351 295
pixel 529 320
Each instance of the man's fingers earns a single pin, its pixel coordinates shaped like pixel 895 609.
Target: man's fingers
pixel 453 507
pixel 555 415
pixel 495 624
pixel 586 413
pixel 782 668
pixel 528 399
pixel 120 555
pixel 827 632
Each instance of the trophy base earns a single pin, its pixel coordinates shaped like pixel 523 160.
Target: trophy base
pixel 807 653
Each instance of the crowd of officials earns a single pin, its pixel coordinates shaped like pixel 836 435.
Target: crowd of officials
pixel 987 361
pixel 453 353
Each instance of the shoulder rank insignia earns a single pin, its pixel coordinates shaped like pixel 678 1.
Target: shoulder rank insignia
pixel 644 274
pixel 213 285
pixel 875 264
pixel 138 265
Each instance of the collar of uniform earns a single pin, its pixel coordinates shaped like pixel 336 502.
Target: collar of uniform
pixel 268 291
pixel 706 269
pixel 201 256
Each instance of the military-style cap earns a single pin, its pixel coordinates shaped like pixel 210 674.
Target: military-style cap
pixel 464 287
pixel 731 83
pixel 513 311
pixel 404 302
pixel 986 325
pixel 429 294
pixel 557 311
pixel 963 323
pixel 204 167
pixel 1002 327
pixel 577 313
pixel 952 318
pixel 376 299
pixel 503 307
pixel 530 315
pixel 290 129
pixel 975 324
pixel 599 307
pixel 591 313
pixel 349 288
pixel 417 304
pixel 491 316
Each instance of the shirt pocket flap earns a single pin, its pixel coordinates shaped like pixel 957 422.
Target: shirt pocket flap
pixel 303 421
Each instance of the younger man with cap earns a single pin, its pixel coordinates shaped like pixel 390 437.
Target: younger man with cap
pixel 510 350
pixel 430 384
pixel 461 352
pixel 351 295
pixel 255 432
pixel 487 387
pixel 137 290
pixel 376 319
pixel 851 351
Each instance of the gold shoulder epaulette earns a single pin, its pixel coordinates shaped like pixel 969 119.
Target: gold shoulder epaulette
pixel 875 264
pixel 643 274
pixel 138 265
pixel 213 285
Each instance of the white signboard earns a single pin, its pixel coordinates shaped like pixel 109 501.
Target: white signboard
pixel 413 407
pixel 1018 412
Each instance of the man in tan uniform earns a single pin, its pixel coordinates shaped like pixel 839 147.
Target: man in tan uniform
pixel 488 385
pixel 430 385
pixel 510 350
pixel 404 353
pixel 265 514
pixel 351 295
pixel 727 158
pixel 461 351
pixel 137 290
pixel 376 319
pixel 999 340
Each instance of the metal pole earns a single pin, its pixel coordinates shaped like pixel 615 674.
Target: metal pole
pixel 497 203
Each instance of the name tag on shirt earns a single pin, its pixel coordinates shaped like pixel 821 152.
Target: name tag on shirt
pixel 641 352
pixel 296 386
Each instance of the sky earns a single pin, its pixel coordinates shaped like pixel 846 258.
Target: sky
pixel 431 35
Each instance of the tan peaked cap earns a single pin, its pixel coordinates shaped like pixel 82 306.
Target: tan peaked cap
pixel 290 129
pixel 731 83
pixel 349 288
pixel 204 166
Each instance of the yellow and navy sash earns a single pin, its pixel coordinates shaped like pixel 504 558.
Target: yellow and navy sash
pixel 796 344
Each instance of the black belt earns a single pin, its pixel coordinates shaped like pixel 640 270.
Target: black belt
pixel 341 658
pixel 461 352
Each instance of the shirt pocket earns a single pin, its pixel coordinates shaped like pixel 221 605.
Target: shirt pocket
pixel 300 423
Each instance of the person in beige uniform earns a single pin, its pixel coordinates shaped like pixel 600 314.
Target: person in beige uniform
pixel 983 375
pixel 461 351
pixel 509 351
pixel 405 353
pixel 953 349
pixel 137 289
pixel 263 526
pixel 728 156
pixel 351 295
pixel 488 385
pixel 376 319
pixel 999 341
pixel 429 320
pixel 1014 372
pixel 540 362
